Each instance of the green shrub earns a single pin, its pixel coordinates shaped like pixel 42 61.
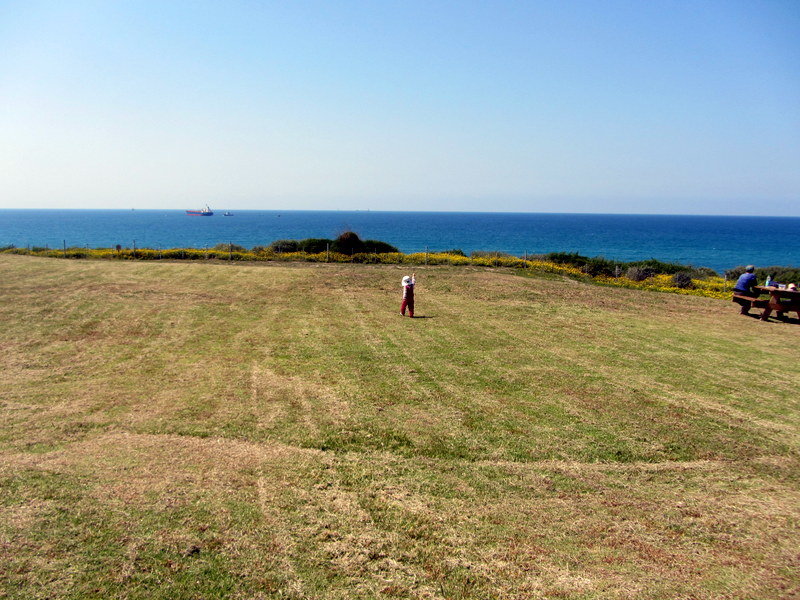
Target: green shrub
pixel 734 273
pixel 565 258
pixel 683 280
pixel 638 273
pixel 591 266
pixel 703 273
pixel 315 245
pixel 378 246
pixel 599 266
pixel 229 248
pixel 657 267
pixel 348 243
pixel 281 246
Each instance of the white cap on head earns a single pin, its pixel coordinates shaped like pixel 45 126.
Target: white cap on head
pixel 406 279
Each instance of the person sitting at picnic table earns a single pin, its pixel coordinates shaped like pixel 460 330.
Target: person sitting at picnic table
pixel 744 287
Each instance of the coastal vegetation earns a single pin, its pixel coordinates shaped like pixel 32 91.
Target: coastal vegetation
pixel 276 430
pixel 652 274
pixel 347 243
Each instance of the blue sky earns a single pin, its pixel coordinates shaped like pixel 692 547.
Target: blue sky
pixel 647 107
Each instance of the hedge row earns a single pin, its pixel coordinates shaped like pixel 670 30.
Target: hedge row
pixel 418 258
pixel 713 287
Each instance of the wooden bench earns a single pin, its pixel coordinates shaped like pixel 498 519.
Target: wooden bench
pixel 748 302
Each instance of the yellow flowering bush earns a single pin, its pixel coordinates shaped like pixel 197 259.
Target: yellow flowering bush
pixel 710 288
pixel 435 258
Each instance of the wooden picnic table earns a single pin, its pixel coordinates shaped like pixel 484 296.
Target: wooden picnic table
pixel 780 300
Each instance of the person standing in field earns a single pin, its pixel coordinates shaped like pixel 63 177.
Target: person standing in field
pixel 408 295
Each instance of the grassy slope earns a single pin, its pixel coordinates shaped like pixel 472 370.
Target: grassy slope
pixel 206 430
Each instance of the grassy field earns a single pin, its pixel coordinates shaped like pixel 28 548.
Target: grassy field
pixel 182 430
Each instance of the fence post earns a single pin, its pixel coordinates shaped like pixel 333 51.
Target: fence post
pixel 65 248
pixel 426 255
pixel 327 253
pixel 230 251
pixel 134 249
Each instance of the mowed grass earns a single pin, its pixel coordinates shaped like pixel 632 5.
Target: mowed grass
pixel 174 430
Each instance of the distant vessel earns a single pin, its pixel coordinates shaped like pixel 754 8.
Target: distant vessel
pixel 227 213
pixel 203 212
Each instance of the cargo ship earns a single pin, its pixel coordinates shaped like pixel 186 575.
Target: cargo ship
pixel 203 212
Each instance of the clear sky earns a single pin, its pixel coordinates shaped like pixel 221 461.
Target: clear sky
pixel 688 107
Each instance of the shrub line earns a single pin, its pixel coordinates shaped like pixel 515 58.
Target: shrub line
pixel 711 287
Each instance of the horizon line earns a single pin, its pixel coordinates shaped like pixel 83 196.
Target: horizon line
pixel 365 210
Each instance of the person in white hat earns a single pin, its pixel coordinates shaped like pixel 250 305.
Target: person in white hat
pixel 408 295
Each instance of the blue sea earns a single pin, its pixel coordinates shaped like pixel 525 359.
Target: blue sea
pixel 710 241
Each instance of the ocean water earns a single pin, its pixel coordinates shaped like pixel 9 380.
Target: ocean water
pixel 710 241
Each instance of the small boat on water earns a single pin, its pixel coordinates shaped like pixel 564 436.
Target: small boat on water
pixel 203 212
pixel 227 213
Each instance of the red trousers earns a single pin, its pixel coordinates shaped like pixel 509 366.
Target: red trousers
pixel 407 303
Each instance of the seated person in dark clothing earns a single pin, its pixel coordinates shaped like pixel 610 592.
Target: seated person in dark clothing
pixel 744 286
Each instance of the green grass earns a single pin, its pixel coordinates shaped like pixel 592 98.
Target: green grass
pixel 181 430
